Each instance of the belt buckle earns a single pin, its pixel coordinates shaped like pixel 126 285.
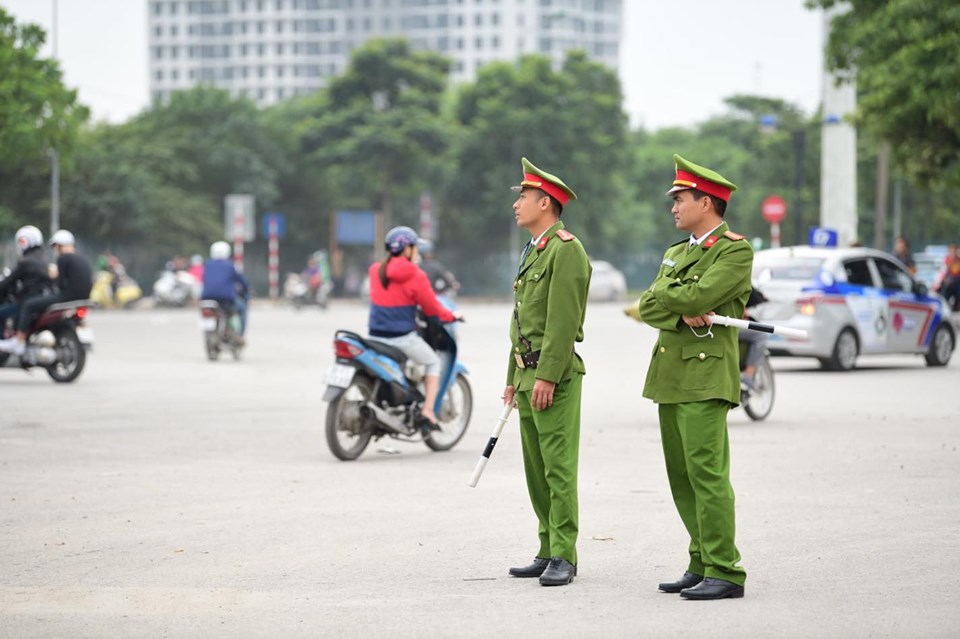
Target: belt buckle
pixel 519 359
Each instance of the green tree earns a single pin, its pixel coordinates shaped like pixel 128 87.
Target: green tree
pixel 905 56
pixel 37 113
pixel 377 128
pixel 567 121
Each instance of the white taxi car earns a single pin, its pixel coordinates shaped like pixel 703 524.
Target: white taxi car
pixel 851 302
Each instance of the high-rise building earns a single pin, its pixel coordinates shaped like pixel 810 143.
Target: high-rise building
pixel 268 50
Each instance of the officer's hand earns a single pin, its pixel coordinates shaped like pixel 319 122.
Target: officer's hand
pixel 508 394
pixel 698 320
pixel 542 396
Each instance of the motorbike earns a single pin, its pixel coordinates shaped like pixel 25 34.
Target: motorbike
pixel 375 391
pixel 757 401
pixel 221 330
pixel 58 341
pixel 102 294
pixel 175 289
pixel 302 293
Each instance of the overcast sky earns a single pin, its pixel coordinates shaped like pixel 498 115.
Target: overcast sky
pixel 676 67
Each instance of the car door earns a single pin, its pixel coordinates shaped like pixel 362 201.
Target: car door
pixel 867 303
pixel 909 314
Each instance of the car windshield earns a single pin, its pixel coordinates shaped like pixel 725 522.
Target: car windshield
pixel 786 267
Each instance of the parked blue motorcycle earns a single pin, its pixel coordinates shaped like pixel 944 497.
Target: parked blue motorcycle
pixel 374 390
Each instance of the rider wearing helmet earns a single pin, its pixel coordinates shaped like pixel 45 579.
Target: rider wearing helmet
pixel 442 280
pixel 27 280
pixel 397 288
pixel 74 281
pixel 225 284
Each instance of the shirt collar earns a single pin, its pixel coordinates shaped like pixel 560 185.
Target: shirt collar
pixel 697 241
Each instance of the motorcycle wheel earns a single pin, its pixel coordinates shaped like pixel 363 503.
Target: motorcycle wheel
pixel 71 356
pixel 453 416
pixel 348 432
pixel 760 400
pixel 212 344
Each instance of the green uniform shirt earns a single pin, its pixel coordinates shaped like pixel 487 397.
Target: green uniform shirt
pixel 714 276
pixel 550 300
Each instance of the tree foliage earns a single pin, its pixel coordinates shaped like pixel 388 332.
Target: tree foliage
pixel 569 122
pixel 905 56
pixel 37 113
pixel 377 128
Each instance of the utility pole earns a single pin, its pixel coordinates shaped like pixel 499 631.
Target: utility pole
pixel 880 215
pixel 54 156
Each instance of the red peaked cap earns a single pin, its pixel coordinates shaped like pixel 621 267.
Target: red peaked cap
pixel 694 176
pixel 534 178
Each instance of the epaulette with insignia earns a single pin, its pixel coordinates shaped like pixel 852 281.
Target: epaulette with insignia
pixel 566 236
pixel 733 236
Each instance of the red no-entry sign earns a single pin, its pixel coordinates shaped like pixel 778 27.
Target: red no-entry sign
pixel 774 209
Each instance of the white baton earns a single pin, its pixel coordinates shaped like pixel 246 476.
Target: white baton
pixel 722 320
pixel 485 457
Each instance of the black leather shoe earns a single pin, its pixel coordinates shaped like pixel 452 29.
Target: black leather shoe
pixel 533 570
pixel 688 580
pixel 711 588
pixel 560 572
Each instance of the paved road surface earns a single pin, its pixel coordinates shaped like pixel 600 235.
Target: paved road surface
pixel 165 496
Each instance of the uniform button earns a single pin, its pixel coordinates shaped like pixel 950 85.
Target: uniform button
pixel 678 280
pixel 518 349
pixel 702 356
pixel 696 278
pixel 663 349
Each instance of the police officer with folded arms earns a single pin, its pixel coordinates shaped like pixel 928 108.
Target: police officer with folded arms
pixel 694 374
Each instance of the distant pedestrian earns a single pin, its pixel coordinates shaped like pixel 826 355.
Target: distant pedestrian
pixel 901 250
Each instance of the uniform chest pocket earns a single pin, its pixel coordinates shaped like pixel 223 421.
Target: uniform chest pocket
pixel 704 352
pixel 536 284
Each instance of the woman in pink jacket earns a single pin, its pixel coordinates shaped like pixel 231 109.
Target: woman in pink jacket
pixel 397 288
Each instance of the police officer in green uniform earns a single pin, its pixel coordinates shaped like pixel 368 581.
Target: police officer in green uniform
pixel 694 374
pixel 544 373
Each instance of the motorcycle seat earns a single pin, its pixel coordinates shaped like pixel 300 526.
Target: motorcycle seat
pixel 390 351
pixel 63 306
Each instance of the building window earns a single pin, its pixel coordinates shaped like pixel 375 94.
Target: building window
pixel 174 30
pixel 175 74
pixel 280 93
pixel 157 8
pixel 158 31
pixel 158 75
pixel 279 72
pixel 158 53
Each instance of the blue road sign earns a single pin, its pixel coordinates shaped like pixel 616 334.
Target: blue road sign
pixel 820 236
pixel 274 218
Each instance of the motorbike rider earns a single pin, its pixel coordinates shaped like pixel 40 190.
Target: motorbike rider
pixel 754 341
pixel 29 279
pixel 311 276
pixel 442 280
pixel 223 283
pixel 74 279
pixel 397 288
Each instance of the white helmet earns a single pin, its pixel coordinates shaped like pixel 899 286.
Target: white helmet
pixel 28 237
pixel 62 237
pixel 220 251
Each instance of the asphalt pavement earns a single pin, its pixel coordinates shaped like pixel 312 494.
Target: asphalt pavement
pixel 162 495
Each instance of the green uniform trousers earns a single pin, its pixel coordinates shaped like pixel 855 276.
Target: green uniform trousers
pixel 697 452
pixel 551 451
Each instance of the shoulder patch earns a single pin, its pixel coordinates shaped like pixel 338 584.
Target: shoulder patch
pixel 543 242
pixel 564 235
pixel 733 236
pixel 710 241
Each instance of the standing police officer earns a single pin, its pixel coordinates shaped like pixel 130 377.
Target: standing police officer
pixel 694 374
pixel 544 373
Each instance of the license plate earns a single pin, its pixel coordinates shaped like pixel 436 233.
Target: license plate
pixel 339 375
pixel 208 324
pixel 85 335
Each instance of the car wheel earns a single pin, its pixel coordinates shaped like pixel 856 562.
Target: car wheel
pixel 941 347
pixel 845 350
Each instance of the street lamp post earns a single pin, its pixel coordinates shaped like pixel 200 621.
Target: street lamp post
pixel 54 156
